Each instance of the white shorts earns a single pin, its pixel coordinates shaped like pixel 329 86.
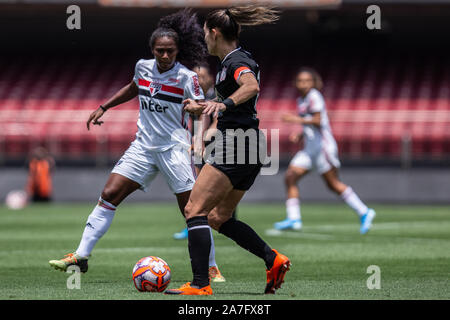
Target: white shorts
pixel 142 166
pixel 322 160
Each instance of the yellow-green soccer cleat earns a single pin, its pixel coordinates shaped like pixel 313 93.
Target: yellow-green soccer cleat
pixel 215 275
pixel 69 260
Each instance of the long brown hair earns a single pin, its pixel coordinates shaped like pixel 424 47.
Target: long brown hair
pixel 229 21
pixel 317 79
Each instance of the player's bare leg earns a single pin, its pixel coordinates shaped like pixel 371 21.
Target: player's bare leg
pixel 116 189
pixel 209 189
pixel 214 272
pixel 365 214
pixel 293 219
pixel 221 219
pixel 183 233
pixel 182 200
pixel 291 178
pixel 221 203
pixel 331 178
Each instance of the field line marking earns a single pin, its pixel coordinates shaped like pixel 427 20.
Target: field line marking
pixel 299 234
pixel 377 226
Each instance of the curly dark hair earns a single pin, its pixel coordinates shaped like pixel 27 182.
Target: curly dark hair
pixel 184 28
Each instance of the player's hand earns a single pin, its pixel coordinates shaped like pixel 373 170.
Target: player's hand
pixel 198 150
pixel 289 118
pixel 192 107
pixel 295 137
pixel 97 114
pixel 212 107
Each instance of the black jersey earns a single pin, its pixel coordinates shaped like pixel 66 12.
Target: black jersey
pixel 236 63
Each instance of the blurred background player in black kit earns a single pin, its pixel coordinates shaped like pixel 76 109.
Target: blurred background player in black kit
pixel 206 126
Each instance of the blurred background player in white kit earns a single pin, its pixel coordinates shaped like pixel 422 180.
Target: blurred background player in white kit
pixel 320 153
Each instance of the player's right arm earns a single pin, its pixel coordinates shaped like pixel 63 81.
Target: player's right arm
pixel 295 137
pixel 314 120
pixel 123 95
pixel 211 131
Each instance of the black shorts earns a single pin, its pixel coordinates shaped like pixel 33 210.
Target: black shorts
pixel 242 176
pixel 241 161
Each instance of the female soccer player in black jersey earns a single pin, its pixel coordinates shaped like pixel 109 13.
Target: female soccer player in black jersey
pixel 220 187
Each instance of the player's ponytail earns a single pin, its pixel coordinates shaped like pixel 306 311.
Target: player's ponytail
pixel 229 21
pixel 184 28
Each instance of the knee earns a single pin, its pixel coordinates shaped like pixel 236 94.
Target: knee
pixel 290 178
pixel 188 212
pixel 336 187
pixel 215 221
pixel 110 193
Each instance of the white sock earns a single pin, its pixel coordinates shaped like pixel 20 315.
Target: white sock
pixel 293 209
pixel 97 224
pixel 212 252
pixel 353 201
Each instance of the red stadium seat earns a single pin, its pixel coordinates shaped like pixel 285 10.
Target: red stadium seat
pixel 373 103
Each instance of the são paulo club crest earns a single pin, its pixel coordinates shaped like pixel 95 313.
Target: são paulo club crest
pixel 154 88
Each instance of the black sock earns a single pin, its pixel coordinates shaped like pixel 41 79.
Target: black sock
pixel 199 243
pixel 248 239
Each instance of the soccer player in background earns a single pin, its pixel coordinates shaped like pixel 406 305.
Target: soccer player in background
pixel 162 140
pixel 207 124
pixel 220 186
pixel 320 153
pixel 39 184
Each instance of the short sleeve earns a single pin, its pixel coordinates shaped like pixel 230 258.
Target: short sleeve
pixel 192 89
pixel 237 69
pixel 137 73
pixel 317 103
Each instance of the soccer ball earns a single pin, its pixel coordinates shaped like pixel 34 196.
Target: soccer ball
pixel 16 199
pixel 151 274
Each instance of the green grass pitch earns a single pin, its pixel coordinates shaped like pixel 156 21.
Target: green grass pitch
pixel 410 245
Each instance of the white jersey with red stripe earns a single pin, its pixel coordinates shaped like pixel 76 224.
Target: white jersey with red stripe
pixel 162 122
pixel 315 138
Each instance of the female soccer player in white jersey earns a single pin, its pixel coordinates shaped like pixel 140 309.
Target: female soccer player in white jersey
pixel 320 153
pixel 162 141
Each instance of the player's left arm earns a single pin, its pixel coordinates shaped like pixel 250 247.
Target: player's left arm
pixel 314 120
pixel 197 139
pixel 248 88
pixel 210 132
pixel 193 96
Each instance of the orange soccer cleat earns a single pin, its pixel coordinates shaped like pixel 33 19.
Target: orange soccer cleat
pixel 275 276
pixel 187 290
pixel 69 260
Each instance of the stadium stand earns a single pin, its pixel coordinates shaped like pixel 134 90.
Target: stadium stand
pixel 376 107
